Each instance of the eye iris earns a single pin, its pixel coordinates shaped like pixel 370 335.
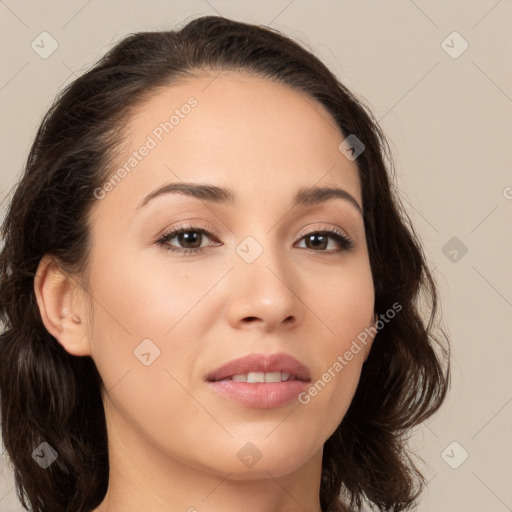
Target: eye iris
pixel 312 237
pixel 190 237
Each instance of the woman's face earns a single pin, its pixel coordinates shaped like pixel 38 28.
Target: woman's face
pixel 261 285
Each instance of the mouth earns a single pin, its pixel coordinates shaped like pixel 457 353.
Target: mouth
pixel 260 381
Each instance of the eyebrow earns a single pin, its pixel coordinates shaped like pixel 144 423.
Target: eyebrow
pixel 303 197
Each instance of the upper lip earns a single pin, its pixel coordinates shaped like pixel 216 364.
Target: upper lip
pixel 261 363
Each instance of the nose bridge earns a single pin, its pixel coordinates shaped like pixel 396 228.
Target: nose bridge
pixel 263 284
pixel 263 262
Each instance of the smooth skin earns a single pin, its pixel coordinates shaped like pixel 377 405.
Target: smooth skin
pixel 173 442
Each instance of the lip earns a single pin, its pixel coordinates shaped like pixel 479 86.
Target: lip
pixel 261 395
pixel 262 363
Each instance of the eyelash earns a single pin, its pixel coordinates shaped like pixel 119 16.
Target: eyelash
pixel 343 240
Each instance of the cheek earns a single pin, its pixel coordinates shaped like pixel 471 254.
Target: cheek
pixel 147 319
pixel 343 300
pixel 146 308
pixel 345 308
pixel 145 299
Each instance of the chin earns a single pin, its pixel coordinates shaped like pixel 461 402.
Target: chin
pixel 254 461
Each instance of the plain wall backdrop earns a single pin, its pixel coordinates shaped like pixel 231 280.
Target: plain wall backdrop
pixel 438 77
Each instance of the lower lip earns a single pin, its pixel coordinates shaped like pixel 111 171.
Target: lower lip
pixel 260 395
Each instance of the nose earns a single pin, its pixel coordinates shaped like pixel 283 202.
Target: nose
pixel 264 294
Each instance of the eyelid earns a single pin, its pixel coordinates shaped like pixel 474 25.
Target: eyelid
pixel 190 226
pixel 324 228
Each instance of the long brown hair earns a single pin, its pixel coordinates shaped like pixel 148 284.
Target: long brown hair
pixel 48 395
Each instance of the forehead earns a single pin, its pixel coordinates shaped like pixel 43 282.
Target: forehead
pixel 237 130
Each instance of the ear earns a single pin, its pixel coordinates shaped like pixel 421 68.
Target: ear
pixel 62 307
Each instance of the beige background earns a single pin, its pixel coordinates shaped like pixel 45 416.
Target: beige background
pixel 449 121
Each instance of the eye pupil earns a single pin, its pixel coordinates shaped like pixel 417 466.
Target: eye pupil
pixel 188 238
pixel 314 236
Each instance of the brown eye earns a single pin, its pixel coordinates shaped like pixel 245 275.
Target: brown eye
pixel 186 239
pixel 189 239
pixel 318 241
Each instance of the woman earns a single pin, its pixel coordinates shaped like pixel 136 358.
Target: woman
pixel 210 289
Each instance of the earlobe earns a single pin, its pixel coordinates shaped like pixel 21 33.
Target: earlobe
pixel 61 309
